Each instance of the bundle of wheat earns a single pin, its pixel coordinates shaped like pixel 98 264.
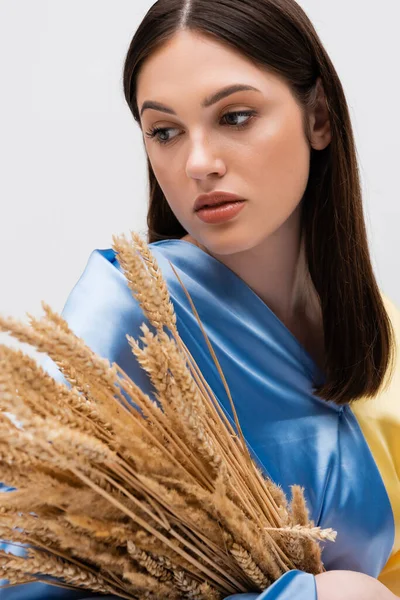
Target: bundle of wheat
pixel 120 494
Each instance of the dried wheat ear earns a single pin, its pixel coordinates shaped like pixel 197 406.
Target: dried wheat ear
pixel 117 493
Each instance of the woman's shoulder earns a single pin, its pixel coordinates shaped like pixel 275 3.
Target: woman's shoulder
pixel 379 419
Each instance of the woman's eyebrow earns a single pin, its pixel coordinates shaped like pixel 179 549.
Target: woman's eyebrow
pixel 208 101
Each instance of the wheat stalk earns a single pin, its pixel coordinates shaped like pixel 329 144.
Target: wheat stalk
pixel 185 512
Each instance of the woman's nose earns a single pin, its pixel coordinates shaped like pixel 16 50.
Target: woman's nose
pixel 204 160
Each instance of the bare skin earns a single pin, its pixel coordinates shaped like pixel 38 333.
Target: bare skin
pixel 307 329
pixel 267 163
pixel 349 585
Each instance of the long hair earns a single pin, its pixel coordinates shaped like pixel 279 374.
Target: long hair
pixel 278 36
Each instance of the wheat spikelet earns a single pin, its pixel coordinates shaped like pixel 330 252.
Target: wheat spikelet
pixel 59 345
pixel 193 589
pixel 185 506
pixel 8 531
pixel 41 562
pixel 248 565
pixel 144 583
pixel 33 528
pixel 153 360
pixel 312 533
pixel 298 506
pixel 141 274
pixel 55 317
pixel 19 578
pixel 70 442
pixel 169 316
pixel 30 493
pixel 166 556
pixel 147 562
pixel 17 451
pixel 73 539
pixel 36 383
pixel 101 528
pixel 140 282
pixel 312 562
pixel 176 393
pixel 187 402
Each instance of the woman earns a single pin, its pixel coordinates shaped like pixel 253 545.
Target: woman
pixel 240 96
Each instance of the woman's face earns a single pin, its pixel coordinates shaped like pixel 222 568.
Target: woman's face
pixel 266 161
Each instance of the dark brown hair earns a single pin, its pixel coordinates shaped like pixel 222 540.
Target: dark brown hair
pixel 278 36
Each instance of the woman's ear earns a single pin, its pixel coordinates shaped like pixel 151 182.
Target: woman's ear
pixel 320 126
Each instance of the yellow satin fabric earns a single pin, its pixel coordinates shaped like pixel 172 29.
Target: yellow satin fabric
pixel 379 419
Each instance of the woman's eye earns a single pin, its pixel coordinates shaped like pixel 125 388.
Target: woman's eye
pixel 157 131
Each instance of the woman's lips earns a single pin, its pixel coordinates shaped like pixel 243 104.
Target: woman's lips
pixel 216 197
pixel 221 213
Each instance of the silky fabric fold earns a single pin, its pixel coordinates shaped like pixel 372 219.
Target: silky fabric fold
pixel 295 437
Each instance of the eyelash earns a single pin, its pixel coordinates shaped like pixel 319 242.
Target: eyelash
pixel 155 130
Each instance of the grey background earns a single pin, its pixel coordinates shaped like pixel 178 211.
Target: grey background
pixel 73 168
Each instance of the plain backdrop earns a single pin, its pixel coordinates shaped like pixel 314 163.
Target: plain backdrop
pixel 73 169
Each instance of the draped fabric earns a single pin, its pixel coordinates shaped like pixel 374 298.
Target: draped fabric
pixel 347 459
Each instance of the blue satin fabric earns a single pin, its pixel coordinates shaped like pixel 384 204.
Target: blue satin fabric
pixel 294 585
pixel 295 437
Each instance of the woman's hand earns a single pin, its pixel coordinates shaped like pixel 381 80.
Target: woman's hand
pixel 350 585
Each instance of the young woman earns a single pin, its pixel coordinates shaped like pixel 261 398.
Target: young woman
pixel 240 97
